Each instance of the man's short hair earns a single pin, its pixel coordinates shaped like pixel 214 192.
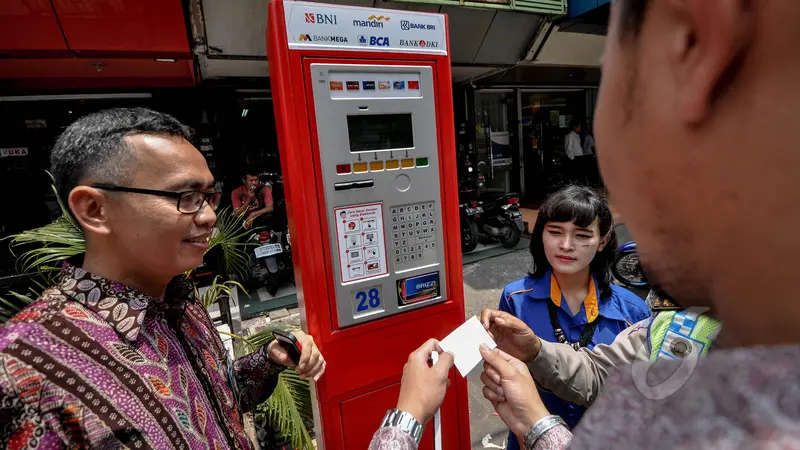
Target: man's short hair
pixel 95 145
pixel 251 171
pixel 631 16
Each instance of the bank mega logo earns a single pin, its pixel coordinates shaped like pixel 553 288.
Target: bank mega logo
pixel 320 38
pixel 372 21
pixel 373 41
pixel 321 19
pixel 407 25
pixel 418 43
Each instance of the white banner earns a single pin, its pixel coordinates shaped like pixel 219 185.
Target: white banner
pixel 335 27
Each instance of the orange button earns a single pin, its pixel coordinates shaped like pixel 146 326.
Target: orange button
pixel 359 167
pixel 376 166
pixel 407 163
pixel 392 164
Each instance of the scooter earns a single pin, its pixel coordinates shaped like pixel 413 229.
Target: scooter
pixel 468 210
pixel 627 269
pixel 273 258
pixel 501 220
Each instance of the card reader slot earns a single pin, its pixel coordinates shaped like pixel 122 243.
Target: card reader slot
pixel 354 185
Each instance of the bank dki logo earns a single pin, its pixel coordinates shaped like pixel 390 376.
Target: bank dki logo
pixel 419 44
pixel 321 19
pixel 373 41
pixel 407 25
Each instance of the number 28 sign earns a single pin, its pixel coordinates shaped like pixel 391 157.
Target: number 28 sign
pixel 367 301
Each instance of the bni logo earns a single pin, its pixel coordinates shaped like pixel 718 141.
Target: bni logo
pixel 321 19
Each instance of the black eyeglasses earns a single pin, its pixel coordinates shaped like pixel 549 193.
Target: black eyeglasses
pixel 189 202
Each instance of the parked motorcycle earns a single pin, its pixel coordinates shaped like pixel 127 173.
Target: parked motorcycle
pixel 627 269
pixel 501 220
pixel 468 210
pixel 272 259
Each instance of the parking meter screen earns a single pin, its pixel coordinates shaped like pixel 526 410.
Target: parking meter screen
pixel 369 133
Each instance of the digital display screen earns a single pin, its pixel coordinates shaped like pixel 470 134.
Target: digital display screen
pixel 374 132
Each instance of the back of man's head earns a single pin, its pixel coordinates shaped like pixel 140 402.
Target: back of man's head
pixel 693 123
pixel 93 148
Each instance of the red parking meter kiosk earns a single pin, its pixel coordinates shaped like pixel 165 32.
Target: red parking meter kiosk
pixel 364 110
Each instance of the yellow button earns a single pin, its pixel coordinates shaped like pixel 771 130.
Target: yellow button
pixel 376 166
pixel 407 163
pixel 392 164
pixel 359 167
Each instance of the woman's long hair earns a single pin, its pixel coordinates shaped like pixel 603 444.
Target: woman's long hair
pixel 581 206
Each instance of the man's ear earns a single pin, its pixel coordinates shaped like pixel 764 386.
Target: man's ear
pixel 88 205
pixel 709 37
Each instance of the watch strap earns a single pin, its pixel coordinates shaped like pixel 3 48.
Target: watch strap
pixel 404 421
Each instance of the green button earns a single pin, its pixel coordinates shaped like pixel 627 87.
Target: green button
pixel 422 162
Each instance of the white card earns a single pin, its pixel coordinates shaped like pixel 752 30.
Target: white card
pixel 464 343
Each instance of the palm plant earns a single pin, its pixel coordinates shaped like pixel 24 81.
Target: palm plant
pixel 46 247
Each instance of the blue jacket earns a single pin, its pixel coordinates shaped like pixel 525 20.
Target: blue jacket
pixel 527 299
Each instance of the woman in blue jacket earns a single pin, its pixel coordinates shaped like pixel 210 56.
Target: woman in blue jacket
pixel 569 297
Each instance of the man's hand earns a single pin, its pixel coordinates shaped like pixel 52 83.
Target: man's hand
pixel 511 390
pixel 312 364
pixel 248 222
pixel 511 334
pixel 422 388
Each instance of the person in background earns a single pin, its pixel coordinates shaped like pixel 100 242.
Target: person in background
pixel 570 297
pixel 252 200
pixel 589 170
pixel 574 151
pixel 121 353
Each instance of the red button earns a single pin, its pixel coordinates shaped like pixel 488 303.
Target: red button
pixel 413 84
pixel 342 168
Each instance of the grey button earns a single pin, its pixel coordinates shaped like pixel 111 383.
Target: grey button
pixel 405 250
pixel 405 258
pixel 419 255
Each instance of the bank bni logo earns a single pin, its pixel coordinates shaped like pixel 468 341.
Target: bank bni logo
pixel 419 43
pixel 321 19
pixel 373 41
pixel 408 25
pixel 371 22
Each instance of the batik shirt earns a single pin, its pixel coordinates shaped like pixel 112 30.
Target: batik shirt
pixel 95 364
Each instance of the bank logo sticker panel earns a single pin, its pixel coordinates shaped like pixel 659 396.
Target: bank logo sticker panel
pixel 374 85
pixel 361 242
pixel 341 27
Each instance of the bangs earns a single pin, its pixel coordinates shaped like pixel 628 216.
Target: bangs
pixel 566 206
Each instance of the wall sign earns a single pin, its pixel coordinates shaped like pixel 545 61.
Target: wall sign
pixel 16 151
pixel 335 27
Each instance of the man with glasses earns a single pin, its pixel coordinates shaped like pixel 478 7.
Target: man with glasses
pixel 120 353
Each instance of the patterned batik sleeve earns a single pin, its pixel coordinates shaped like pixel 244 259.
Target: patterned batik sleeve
pixel 557 438
pixel 21 423
pixel 392 438
pixel 256 377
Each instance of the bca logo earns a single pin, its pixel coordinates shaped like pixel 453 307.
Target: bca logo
pixel 379 41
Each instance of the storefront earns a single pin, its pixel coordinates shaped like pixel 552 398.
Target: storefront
pixel 234 129
pixel 520 135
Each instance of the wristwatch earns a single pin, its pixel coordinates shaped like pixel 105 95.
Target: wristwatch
pixel 404 421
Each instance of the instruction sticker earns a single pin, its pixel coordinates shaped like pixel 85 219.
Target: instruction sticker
pixel 361 243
